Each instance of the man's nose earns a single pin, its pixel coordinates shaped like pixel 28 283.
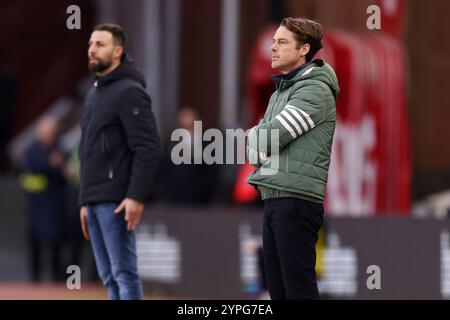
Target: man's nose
pixel 91 50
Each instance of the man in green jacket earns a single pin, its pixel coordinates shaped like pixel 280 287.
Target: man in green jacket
pixel 291 148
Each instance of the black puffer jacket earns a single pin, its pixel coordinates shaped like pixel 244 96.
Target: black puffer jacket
pixel 120 146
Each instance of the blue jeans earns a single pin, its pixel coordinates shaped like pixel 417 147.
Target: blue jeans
pixel 115 252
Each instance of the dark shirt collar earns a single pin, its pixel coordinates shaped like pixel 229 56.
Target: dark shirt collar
pixel 288 76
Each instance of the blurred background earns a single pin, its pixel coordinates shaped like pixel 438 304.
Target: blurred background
pixel 388 197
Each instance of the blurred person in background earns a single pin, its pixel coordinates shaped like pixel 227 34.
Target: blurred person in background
pixel 302 111
pixel 73 235
pixel 198 181
pixel 119 152
pixel 44 182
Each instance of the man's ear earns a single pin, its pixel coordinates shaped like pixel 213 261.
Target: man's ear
pixel 118 51
pixel 304 49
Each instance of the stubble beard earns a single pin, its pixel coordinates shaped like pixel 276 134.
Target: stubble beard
pixel 100 66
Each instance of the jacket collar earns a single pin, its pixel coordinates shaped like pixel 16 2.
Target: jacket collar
pixel 279 78
pixel 126 69
pixel 284 81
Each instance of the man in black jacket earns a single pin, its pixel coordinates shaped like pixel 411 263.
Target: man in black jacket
pixel 119 153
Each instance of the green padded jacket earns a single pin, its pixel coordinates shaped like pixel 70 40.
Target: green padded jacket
pixel 297 129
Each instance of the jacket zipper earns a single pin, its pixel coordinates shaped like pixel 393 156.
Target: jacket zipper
pixel 274 105
pixel 83 143
pixel 108 159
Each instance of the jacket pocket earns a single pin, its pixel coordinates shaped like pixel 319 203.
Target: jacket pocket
pixel 107 155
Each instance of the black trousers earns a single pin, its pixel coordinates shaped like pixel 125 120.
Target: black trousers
pixel 290 234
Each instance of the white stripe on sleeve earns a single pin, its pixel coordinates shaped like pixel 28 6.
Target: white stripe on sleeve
pixel 295 112
pixel 308 118
pixel 287 126
pixel 292 121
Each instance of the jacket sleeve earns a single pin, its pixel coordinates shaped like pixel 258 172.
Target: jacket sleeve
pixel 303 111
pixel 254 157
pixel 139 123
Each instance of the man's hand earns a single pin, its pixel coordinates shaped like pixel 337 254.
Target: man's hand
pixel 133 212
pixel 84 226
pixel 56 159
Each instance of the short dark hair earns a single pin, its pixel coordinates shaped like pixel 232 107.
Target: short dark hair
pixel 305 31
pixel 119 36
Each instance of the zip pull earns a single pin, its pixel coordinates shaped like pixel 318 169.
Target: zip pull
pixel 110 174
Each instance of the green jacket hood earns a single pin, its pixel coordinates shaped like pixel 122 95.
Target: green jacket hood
pixel 321 71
